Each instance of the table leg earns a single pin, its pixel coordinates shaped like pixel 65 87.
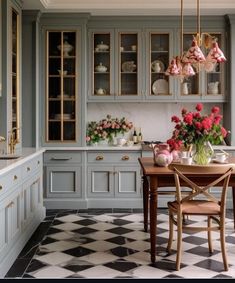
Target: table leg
pixel 153 216
pixel 233 188
pixel 145 201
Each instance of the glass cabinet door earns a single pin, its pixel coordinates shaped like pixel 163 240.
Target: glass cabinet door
pixel 189 86
pixel 101 64
pixel 61 86
pixel 128 44
pixel 214 79
pixel 158 63
pixel 15 75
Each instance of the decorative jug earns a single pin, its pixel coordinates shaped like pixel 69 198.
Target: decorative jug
pixel 156 67
pixel 185 88
pixel 213 88
pixel 161 155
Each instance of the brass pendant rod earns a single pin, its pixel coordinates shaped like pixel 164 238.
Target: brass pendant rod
pixel 182 28
pixel 198 22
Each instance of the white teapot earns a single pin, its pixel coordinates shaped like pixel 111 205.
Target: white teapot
pixel 213 88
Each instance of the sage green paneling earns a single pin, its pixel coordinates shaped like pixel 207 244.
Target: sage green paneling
pixel 30 77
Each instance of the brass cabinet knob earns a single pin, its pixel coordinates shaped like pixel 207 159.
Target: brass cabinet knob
pixel 28 168
pixel 38 161
pixel 1 187
pixel 15 177
pixel 125 157
pixel 99 157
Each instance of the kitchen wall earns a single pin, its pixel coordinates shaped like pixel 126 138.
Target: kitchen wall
pixel 153 118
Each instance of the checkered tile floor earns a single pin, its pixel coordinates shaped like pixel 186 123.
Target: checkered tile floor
pixel 113 245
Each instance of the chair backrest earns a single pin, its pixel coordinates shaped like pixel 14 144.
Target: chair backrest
pixel 214 175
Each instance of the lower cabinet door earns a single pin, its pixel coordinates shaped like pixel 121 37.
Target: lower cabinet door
pixel 127 181
pixel 63 181
pixel 10 221
pixel 100 181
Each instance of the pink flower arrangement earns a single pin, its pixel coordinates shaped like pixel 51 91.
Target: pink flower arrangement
pixel 107 128
pixel 195 128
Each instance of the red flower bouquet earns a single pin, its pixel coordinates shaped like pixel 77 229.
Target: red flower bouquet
pixel 197 129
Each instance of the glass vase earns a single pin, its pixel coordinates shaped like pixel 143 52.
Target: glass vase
pixel 202 153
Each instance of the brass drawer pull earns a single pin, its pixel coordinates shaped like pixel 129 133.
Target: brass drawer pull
pixel 1 187
pixel 61 159
pixel 125 157
pixel 28 168
pixel 99 157
pixel 15 177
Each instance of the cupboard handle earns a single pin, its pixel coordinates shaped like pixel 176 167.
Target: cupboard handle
pixel 61 159
pixel 28 168
pixel 125 157
pixel 1 188
pixel 38 162
pixel 15 177
pixel 99 157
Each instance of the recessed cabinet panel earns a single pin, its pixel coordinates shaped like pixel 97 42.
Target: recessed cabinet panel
pixel 63 181
pixel 127 181
pixel 61 86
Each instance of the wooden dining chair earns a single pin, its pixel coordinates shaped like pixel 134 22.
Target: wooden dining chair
pixel 199 202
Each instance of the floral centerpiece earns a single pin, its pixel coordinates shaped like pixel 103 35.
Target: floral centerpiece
pixel 197 129
pixel 107 129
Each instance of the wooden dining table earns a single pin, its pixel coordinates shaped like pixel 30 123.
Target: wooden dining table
pixel 155 177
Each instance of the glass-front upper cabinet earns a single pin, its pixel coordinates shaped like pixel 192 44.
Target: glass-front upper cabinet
pixel 15 89
pixel 101 64
pixel 128 70
pixel 214 84
pixel 159 53
pixel 189 87
pixel 61 86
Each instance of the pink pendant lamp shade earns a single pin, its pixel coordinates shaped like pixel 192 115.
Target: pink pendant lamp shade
pixel 194 54
pixel 187 70
pixel 174 69
pixel 216 54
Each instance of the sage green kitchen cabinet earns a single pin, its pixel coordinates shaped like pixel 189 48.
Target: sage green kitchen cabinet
pixel 205 86
pixel 11 93
pixel 115 64
pixel 113 174
pixel 159 52
pixel 21 207
pixel 63 174
pixel 63 64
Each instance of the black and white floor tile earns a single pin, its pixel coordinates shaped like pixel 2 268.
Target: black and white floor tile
pixel 112 244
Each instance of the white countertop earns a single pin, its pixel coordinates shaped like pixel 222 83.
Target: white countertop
pixel 25 155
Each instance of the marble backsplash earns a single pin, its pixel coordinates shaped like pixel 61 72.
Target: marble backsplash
pixel 154 119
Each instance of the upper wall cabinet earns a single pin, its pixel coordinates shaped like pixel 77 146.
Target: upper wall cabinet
pixel 206 86
pixel 11 128
pixel 61 86
pixel 158 54
pixel 63 83
pixel 115 64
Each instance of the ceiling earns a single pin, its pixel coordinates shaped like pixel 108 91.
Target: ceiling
pixel 132 7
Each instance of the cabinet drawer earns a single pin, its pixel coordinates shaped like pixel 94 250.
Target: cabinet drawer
pixel 31 166
pixel 10 180
pixel 65 157
pixel 112 157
